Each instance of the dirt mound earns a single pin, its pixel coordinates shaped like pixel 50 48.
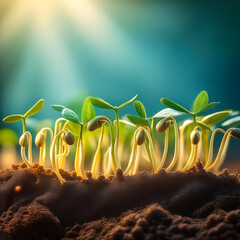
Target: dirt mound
pixel 33 199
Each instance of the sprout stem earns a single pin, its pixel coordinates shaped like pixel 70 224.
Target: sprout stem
pixel 80 156
pixel 54 159
pixel 24 124
pixel 62 157
pixel 190 157
pixel 210 153
pixel 23 153
pixel 181 148
pixel 164 151
pixel 42 155
pixel 176 149
pixel 118 164
pixel 97 156
pixel 215 163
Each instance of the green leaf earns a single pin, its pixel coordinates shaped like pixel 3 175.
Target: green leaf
pixel 138 121
pixel 140 109
pixel 73 127
pixel 204 127
pixel 35 109
pixel 168 112
pixel 13 118
pixel 173 105
pixel 98 102
pixel 70 115
pixel 190 124
pixel 200 102
pixel 57 108
pixel 210 105
pixel 88 112
pixel 128 102
pixel 215 118
pixel 233 122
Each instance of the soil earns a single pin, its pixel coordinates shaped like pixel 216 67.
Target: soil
pixel 192 205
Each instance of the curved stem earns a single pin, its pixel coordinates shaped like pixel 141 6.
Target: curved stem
pixel 42 155
pixel 224 153
pixel 195 153
pixel 180 163
pixel 133 153
pixel 62 157
pixel 80 156
pixel 210 153
pixel 97 156
pixel 176 148
pixel 220 150
pixel 54 160
pixel 118 164
pixel 106 165
pixel 164 151
pixel 23 153
pixel 190 158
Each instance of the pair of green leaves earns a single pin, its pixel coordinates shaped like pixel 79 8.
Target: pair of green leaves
pixel 100 103
pixel 87 113
pixel 32 111
pixel 142 119
pixel 200 104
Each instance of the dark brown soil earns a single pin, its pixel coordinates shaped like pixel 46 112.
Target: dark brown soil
pixel 191 205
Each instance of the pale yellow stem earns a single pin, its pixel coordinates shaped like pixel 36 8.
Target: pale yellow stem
pixel 62 157
pixel 215 163
pixel 195 153
pixel 42 155
pixel 176 149
pixel 224 153
pixel 97 156
pixel 190 158
pixel 210 153
pixel 164 151
pixel 53 158
pixel 79 159
pixel 181 148
pixel 28 160
pixel 106 163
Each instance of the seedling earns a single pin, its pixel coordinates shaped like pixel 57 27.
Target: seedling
pixel 94 124
pixel 100 103
pixel 26 138
pixel 68 139
pixel 40 142
pixel 142 121
pixel 163 126
pixel 87 114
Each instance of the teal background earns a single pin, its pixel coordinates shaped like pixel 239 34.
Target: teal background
pixel 63 51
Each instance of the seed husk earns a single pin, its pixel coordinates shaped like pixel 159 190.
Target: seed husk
pixel 195 137
pixel 95 123
pixel 236 133
pixel 69 138
pixel 162 125
pixel 23 141
pixel 141 137
pixel 40 139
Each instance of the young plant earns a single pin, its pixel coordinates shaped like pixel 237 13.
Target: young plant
pixel 100 103
pixel 74 122
pixel 142 121
pixel 163 126
pixel 68 139
pixel 201 103
pixel 40 142
pixel 26 138
pixel 94 124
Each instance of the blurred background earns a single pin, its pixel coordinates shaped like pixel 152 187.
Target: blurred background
pixel 65 50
